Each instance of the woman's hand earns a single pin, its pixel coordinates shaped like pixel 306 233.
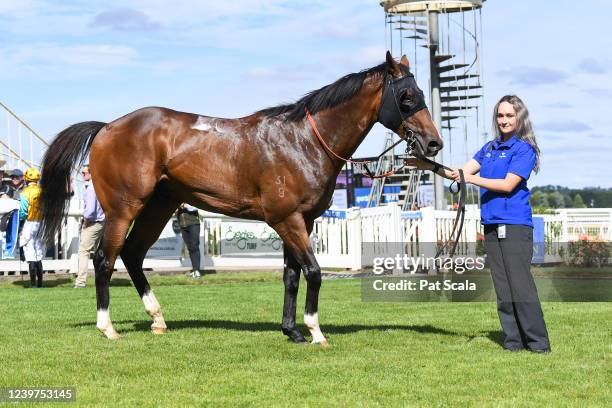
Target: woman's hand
pixel 418 163
pixel 466 176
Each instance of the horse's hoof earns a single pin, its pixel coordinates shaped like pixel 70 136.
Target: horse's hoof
pixel 159 330
pixel 110 334
pixel 295 336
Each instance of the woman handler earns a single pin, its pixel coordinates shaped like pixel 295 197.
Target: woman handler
pixel 505 165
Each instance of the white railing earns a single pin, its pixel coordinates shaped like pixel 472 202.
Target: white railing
pixel 592 223
pixel 20 145
pixel 337 239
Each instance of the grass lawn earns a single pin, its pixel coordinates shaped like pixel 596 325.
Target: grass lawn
pixel 225 348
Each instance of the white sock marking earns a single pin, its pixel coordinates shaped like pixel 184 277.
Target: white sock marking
pixel 153 309
pixel 312 322
pixel 104 321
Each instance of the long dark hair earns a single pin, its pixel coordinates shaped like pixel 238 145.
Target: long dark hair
pixel 67 151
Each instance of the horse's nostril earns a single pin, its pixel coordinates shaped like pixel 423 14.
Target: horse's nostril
pixel 434 146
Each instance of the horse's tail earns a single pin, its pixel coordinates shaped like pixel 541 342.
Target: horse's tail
pixel 68 149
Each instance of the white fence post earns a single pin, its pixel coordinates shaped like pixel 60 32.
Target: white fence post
pixel 428 225
pixel 396 219
pixel 354 238
pixel 428 234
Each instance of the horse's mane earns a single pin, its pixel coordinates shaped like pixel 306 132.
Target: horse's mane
pixel 327 97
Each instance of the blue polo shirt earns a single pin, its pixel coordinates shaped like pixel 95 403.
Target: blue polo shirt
pixel 497 159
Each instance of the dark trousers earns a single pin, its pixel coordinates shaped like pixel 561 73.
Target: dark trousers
pixel 191 236
pixel 518 305
pixel 36 272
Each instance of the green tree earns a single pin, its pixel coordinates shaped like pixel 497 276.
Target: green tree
pixel 556 200
pixel 578 202
pixel 539 199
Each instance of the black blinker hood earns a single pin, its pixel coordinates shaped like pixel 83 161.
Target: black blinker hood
pixel 392 113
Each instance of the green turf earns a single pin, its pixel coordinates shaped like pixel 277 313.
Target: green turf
pixel 224 348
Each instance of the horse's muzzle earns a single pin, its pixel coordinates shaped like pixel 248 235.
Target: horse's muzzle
pixel 433 147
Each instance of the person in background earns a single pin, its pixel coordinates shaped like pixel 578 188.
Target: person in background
pixel 189 221
pixel 505 164
pixel 33 247
pixel 92 228
pixel 17 179
pixel 6 187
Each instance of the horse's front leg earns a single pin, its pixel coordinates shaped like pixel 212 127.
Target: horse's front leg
pixel 294 232
pixel 291 279
pixel 312 273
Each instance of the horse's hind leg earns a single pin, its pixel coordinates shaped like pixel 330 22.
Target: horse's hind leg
pixel 115 228
pixel 144 233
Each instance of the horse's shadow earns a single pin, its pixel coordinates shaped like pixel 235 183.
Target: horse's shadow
pixel 145 325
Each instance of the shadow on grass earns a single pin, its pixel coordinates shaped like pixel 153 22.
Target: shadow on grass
pixel 120 282
pixel 496 337
pixel 141 325
pixel 48 283
pixel 51 283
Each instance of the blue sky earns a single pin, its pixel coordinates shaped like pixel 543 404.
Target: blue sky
pixel 63 62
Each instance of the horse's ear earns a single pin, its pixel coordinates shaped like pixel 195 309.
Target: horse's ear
pixel 404 61
pixel 394 69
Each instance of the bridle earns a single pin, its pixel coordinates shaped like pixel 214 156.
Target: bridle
pixel 411 140
pixel 388 114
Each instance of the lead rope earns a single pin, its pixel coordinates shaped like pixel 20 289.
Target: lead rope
pixel 460 217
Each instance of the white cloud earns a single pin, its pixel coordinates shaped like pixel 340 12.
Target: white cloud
pixel 11 7
pixel 125 19
pixel 40 58
pixel 204 13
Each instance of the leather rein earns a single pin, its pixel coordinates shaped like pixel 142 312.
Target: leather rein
pixel 410 142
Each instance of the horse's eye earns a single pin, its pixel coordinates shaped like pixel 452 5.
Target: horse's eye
pixel 408 99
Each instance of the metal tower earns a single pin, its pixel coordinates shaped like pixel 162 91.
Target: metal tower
pixel 443 38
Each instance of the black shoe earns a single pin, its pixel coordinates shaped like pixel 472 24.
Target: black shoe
pixel 541 351
pixel 513 350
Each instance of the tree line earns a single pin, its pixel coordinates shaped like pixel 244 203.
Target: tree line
pixel 550 197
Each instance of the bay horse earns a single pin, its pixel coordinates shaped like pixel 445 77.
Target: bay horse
pixel 268 166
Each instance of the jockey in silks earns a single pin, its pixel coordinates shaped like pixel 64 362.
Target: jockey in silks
pixel 33 247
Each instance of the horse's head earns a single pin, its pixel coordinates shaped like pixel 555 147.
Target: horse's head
pixel 403 109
